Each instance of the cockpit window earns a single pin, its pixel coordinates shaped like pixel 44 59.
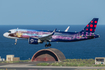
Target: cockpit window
pixel 9 31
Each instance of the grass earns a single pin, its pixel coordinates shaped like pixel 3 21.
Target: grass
pixel 73 62
pixel 43 64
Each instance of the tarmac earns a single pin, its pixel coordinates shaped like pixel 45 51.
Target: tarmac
pixel 32 66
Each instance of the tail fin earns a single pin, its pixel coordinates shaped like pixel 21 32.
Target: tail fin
pixel 91 27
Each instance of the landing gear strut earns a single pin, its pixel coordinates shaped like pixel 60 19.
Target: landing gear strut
pixel 15 41
pixel 47 45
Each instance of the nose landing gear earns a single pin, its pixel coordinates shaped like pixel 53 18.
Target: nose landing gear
pixel 15 41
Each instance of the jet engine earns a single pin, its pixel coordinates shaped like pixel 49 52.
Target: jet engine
pixel 34 41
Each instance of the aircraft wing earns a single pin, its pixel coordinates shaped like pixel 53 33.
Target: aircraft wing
pixel 46 36
pixel 67 29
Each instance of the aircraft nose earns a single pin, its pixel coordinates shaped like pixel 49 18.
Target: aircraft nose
pixel 5 34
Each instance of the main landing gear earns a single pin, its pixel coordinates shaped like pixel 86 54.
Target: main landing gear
pixel 47 45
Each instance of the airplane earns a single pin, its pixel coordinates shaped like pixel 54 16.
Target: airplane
pixel 40 36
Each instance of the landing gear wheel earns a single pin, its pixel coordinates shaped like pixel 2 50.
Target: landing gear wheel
pixel 15 43
pixel 46 45
pixel 49 45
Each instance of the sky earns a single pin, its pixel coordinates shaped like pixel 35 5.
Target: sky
pixel 51 12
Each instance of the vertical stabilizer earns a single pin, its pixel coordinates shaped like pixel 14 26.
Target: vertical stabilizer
pixel 91 27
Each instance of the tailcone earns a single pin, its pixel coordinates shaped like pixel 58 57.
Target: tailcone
pixel 97 36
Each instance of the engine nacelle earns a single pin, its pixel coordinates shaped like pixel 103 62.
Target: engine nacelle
pixel 34 41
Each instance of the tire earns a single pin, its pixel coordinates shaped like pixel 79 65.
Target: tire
pixel 46 45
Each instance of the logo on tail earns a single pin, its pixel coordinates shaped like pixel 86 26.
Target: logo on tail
pixel 91 27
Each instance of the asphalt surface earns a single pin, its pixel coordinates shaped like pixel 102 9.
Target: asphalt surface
pixel 31 66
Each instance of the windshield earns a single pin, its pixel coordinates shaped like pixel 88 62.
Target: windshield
pixel 9 31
